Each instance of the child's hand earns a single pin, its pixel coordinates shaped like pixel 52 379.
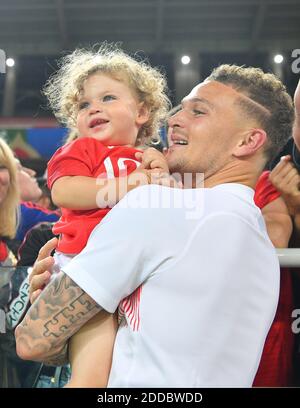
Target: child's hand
pixel 155 169
pixel 153 159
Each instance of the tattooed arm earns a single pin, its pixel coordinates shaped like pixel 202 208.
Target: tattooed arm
pixel 60 311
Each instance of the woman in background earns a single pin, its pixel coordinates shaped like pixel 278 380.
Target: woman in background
pixel 9 200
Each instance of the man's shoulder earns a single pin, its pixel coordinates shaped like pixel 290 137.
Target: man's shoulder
pixel 234 201
pixel 206 200
pixel 232 196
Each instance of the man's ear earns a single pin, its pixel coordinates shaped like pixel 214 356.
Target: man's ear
pixel 143 114
pixel 251 141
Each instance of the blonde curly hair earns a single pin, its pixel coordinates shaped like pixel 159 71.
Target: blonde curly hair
pixel 64 87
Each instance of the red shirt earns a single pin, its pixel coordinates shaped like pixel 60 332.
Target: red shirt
pixel 275 368
pixel 86 157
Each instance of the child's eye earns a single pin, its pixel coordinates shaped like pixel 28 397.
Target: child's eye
pixel 108 98
pixel 83 105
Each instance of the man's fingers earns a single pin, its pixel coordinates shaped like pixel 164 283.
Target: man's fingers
pixel 35 295
pixel 46 250
pixel 38 282
pixel 40 276
pixel 41 267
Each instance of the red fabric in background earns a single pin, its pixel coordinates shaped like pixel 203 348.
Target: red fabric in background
pixel 275 368
pixel 3 251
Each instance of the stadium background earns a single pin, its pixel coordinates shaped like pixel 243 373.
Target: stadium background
pixel 35 33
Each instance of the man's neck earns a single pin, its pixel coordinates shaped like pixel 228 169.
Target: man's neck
pixel 239 171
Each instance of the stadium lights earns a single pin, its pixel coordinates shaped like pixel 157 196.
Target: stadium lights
pixel 185 60
pixel 10 62
pixel 278 59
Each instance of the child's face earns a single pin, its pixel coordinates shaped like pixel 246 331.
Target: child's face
pixel 109 111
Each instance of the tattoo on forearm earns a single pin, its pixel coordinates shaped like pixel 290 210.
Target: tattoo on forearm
pixel 66 318
pixel 61 310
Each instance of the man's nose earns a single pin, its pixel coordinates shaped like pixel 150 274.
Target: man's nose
pixel 175 120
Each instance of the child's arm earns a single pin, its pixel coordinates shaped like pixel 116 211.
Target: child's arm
pixel 90 351
pixel 80 192
pixel 87 193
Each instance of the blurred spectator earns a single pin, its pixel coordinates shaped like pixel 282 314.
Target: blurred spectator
pixel 296 130
pixel 276 365
pixel 10 281
pixel 30 213
pixel 286 179
pixel 45 201
pixel 9 198
pixel 35 238
pixel 29 188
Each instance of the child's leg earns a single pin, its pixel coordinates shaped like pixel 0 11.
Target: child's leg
pixel 90 351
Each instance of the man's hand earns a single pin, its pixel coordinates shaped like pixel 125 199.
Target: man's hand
pixel 286 180
pixel 41 274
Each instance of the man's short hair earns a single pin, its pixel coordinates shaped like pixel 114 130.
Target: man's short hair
pixel 269 102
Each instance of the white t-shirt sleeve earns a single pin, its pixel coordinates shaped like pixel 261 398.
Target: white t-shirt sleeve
pixel 118 257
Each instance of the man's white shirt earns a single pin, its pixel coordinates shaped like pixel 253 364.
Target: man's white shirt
pixel 204 279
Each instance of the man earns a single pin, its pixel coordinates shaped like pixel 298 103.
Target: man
pixel 203 274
